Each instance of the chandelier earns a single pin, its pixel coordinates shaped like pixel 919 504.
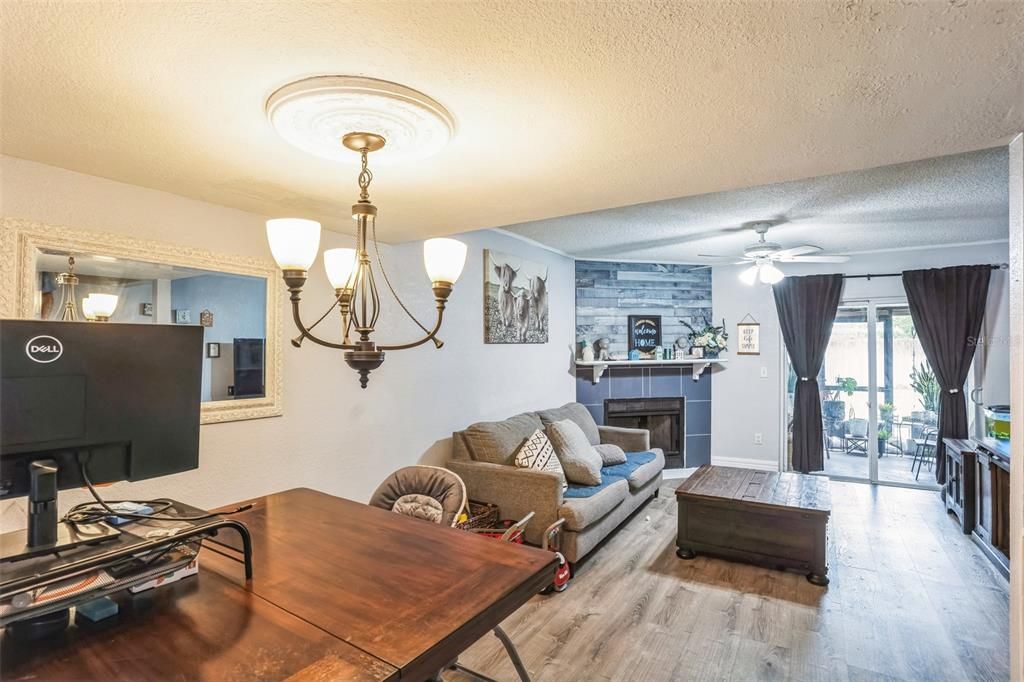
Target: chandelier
pixel 295 242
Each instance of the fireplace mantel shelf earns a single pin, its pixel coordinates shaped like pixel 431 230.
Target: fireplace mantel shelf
pixel 698 365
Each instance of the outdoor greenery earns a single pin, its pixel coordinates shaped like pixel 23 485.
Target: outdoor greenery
pixel 924 383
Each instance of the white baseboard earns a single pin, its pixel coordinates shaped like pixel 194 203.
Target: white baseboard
pixel 744 463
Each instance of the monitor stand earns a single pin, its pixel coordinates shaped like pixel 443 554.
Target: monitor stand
pixel 45 534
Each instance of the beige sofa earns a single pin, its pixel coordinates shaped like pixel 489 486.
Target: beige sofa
pixel 483 454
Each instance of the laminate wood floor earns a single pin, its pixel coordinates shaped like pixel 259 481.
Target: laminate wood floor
pixel 911 598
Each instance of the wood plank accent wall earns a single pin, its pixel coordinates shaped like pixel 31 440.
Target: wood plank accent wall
pixel 607 292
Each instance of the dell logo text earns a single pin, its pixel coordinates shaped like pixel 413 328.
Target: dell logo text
pixel 44 349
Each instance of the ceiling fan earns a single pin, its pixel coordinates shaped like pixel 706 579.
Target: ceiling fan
pixel 763 254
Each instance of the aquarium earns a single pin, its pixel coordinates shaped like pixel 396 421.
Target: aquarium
pixel 997 422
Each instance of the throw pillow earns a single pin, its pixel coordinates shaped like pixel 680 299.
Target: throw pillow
pixel 537 453
pixel 579 459
pixel 611 454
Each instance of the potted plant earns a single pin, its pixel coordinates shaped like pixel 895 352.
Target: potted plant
pixel 833 409
pixel 924 383
pixel 709 338
pixel 883 438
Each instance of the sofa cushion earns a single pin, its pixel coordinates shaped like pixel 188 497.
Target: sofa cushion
pixel 646 471
pixel 576 413
pixel 497 442
pixel 639 469
pixel 582 511
pixel 538 453
pixel 579 459
pixel 611 454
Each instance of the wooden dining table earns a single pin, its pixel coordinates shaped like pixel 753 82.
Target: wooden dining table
pixel 340 590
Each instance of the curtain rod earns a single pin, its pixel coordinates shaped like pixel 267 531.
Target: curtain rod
pixel 995 266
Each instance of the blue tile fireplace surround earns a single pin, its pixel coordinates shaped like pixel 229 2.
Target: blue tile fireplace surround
pixel 606 294
pixel 657 382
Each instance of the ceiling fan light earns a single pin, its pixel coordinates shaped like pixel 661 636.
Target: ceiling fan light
pixel 749 276
pixel 770 274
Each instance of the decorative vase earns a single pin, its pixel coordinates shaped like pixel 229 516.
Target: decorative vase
pixel 697 351
pixel 710 354
pixel 588 354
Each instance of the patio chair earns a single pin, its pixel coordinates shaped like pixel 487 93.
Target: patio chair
pixel 924 450
pixel 855 438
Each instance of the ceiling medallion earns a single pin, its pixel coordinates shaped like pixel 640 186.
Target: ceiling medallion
pixel 333 117
pixel 314 114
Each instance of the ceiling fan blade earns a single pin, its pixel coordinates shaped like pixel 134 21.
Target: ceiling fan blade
pixel 708 255
pixel 797 251
pixel 815 259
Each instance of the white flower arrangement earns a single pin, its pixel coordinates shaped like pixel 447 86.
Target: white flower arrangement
pixel 708 337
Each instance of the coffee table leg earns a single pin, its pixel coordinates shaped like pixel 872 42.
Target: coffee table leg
pixel 818 579
pixel 686 553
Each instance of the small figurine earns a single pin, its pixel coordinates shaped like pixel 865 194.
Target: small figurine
pixel 588 353
pixel 603 344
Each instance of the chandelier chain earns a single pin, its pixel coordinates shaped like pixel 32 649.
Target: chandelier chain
pixel 365 177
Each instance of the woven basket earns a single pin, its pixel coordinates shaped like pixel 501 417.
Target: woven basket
pixel 481 515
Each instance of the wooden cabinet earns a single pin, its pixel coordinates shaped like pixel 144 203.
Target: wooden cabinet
pixel 960 487
pixel 992 502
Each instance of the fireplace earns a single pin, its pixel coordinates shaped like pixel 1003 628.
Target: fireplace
pixel 665 418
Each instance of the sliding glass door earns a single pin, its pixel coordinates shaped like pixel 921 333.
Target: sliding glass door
pixel 879 397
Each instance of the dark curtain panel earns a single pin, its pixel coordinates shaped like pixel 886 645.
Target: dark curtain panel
pixel 807 308
pixel 947 306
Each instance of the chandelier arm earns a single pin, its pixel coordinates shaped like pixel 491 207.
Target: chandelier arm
pixel 323 317
pixel 431 335
pixel 305 332
pixel 384 273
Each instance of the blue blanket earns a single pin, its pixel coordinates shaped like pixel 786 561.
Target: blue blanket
pixel 610 474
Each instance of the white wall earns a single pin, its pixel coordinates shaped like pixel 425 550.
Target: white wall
pixel 744 403
pixel 333 435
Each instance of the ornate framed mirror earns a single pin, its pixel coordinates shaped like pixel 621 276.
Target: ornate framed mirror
pixel 237 299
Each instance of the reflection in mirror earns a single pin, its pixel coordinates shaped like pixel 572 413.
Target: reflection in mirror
pixel 231 308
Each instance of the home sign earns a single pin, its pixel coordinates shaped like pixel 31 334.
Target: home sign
pixel 644 332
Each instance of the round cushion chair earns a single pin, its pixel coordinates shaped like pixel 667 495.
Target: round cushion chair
pixel 423 492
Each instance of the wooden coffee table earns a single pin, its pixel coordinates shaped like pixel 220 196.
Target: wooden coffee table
pixel 768 518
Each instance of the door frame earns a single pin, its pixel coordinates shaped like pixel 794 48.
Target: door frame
pixel 1016 284
pixel 871 305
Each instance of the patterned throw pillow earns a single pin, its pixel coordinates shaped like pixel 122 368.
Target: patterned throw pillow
pixel 537 453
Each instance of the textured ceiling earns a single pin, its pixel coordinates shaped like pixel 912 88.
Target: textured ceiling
pixel 948 200
pixel 562 107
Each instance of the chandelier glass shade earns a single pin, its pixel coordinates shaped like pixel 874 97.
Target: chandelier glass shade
pixel 99 307
pixel 294 243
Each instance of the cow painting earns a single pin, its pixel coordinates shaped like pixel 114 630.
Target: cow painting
pixel 539 302
pixel 506 276
pixel 515 299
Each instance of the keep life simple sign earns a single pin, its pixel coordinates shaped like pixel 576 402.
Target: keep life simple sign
pixel 749 338
pixel 644 332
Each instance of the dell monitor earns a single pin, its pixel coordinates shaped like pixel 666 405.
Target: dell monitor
pixel 116 401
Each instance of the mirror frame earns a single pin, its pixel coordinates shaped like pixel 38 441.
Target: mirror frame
pixel 21 240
